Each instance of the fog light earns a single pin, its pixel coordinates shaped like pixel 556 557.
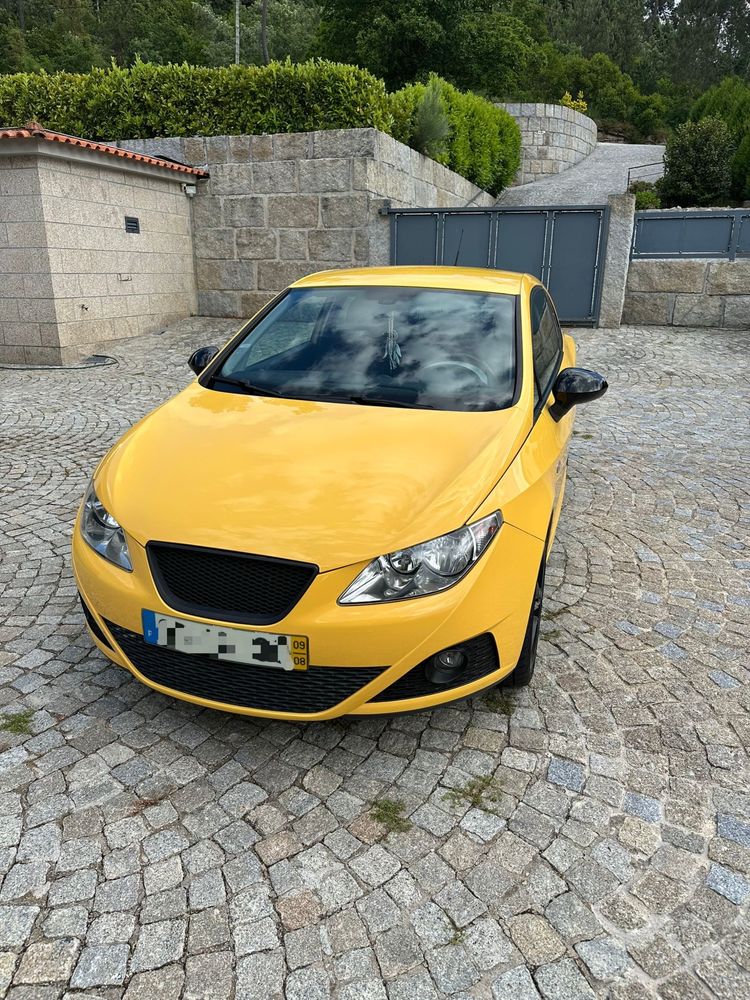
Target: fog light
pixel 446 666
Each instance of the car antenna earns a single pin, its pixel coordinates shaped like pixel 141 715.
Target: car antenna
pixel 458 249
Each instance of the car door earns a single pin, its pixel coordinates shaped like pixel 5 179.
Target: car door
pixel 549 438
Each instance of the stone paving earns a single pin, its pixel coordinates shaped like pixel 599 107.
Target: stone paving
pixel 587 837
pixel 593 179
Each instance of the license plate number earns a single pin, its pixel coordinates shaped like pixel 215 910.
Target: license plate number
pixel 259 649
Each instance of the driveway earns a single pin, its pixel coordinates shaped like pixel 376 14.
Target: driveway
pixel 587 837
pixel 592 180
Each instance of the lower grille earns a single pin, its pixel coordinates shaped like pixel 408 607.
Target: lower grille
pixel 228 586
pixel 483 659
pixel 303 691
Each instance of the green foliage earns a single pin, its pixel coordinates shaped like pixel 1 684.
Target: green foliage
pixel 487 46
pixel 646 196
pixel 698 164
pixel 431 125
pixel 484 144
pixel 574 103
pixel 390 814
pixel 730 101
pixel 481 793
pixel 149 100
pixel 18 723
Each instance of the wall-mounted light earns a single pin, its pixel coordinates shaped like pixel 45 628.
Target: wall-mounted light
pixel 189 190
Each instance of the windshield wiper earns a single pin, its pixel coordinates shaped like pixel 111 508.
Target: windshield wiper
pixel 380 401
pixel 250 387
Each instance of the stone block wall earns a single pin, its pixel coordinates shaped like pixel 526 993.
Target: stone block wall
pixel 70 275
pixel 278 207
pixel 109 283
pixel 688 292
pixel 553 138
pixel 27 305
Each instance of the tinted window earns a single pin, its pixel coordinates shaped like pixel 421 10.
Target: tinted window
pixel 441 348
pixel 546 339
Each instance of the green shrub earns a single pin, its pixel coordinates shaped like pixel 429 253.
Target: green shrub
pixel 730 101
pixel 698 164
pixel 484 143
pixel 646 195
pixel 149 100
pixel 431 125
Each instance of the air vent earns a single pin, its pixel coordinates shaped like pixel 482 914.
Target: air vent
pixel 132 224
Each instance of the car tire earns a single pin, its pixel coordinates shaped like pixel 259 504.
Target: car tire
pixel 524 669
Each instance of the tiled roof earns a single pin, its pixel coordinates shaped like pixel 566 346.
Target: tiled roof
pixel 36 132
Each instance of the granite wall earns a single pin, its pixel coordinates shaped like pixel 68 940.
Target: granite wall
pixel 553 138
pixel 70 274
pixel 688 292
pixel 278 207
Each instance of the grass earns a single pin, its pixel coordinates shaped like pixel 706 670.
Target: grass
pixel 18 722
pixel 478 792
pixel 389 813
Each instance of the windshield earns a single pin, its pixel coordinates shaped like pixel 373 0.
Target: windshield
pixel 381 345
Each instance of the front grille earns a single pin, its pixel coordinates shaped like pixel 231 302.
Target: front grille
pixel 483 659
pixel 228 586
pixel 305 691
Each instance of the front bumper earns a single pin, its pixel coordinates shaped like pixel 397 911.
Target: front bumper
pixel 365 660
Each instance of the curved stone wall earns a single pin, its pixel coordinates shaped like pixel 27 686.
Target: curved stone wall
pixel 553 138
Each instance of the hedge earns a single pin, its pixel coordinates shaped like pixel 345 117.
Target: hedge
pixel 484 141
pixel 149 100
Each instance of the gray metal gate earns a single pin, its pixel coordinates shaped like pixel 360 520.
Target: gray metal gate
pixel 563 246
pixel 713 232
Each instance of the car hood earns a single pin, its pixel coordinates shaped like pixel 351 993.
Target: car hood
pixel 327 483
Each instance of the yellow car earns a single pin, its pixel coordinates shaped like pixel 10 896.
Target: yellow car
pixel 350 510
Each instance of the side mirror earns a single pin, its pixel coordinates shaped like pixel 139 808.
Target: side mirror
pixel 574 386
pixel 200 360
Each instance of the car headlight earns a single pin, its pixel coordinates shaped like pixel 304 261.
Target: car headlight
pixel 423 569
pixel 102 531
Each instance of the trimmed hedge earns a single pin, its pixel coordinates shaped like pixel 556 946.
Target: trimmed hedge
pixel 146 101
pixel 484 142
pixel 149 100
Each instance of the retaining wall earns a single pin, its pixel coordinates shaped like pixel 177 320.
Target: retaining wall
pixel 553 138
pixel 690 292
pixel 278 207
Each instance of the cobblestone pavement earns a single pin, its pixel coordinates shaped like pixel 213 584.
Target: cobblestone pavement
pixel 587 837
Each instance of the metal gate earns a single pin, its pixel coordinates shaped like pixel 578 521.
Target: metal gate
pixel 563 247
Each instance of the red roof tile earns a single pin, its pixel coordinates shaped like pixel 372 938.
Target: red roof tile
pixel 36 132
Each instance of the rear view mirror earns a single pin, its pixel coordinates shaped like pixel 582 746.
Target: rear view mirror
pixel 200 360
pixel 574 386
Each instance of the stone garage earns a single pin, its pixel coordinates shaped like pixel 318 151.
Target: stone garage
pixel 95 244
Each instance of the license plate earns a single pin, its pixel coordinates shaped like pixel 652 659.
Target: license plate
pixel 258 649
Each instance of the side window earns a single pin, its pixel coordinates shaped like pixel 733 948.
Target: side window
pixel 546 340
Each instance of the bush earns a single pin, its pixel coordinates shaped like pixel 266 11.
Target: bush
pixel 484 144
pixel 149 100
pixel 698 164
pixel 730 100
pixel 646 195
pixel 574 103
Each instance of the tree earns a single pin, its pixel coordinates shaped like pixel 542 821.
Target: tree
pixel 470 42
pixel 698 164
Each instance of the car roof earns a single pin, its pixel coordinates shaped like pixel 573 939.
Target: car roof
pixel 471 279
